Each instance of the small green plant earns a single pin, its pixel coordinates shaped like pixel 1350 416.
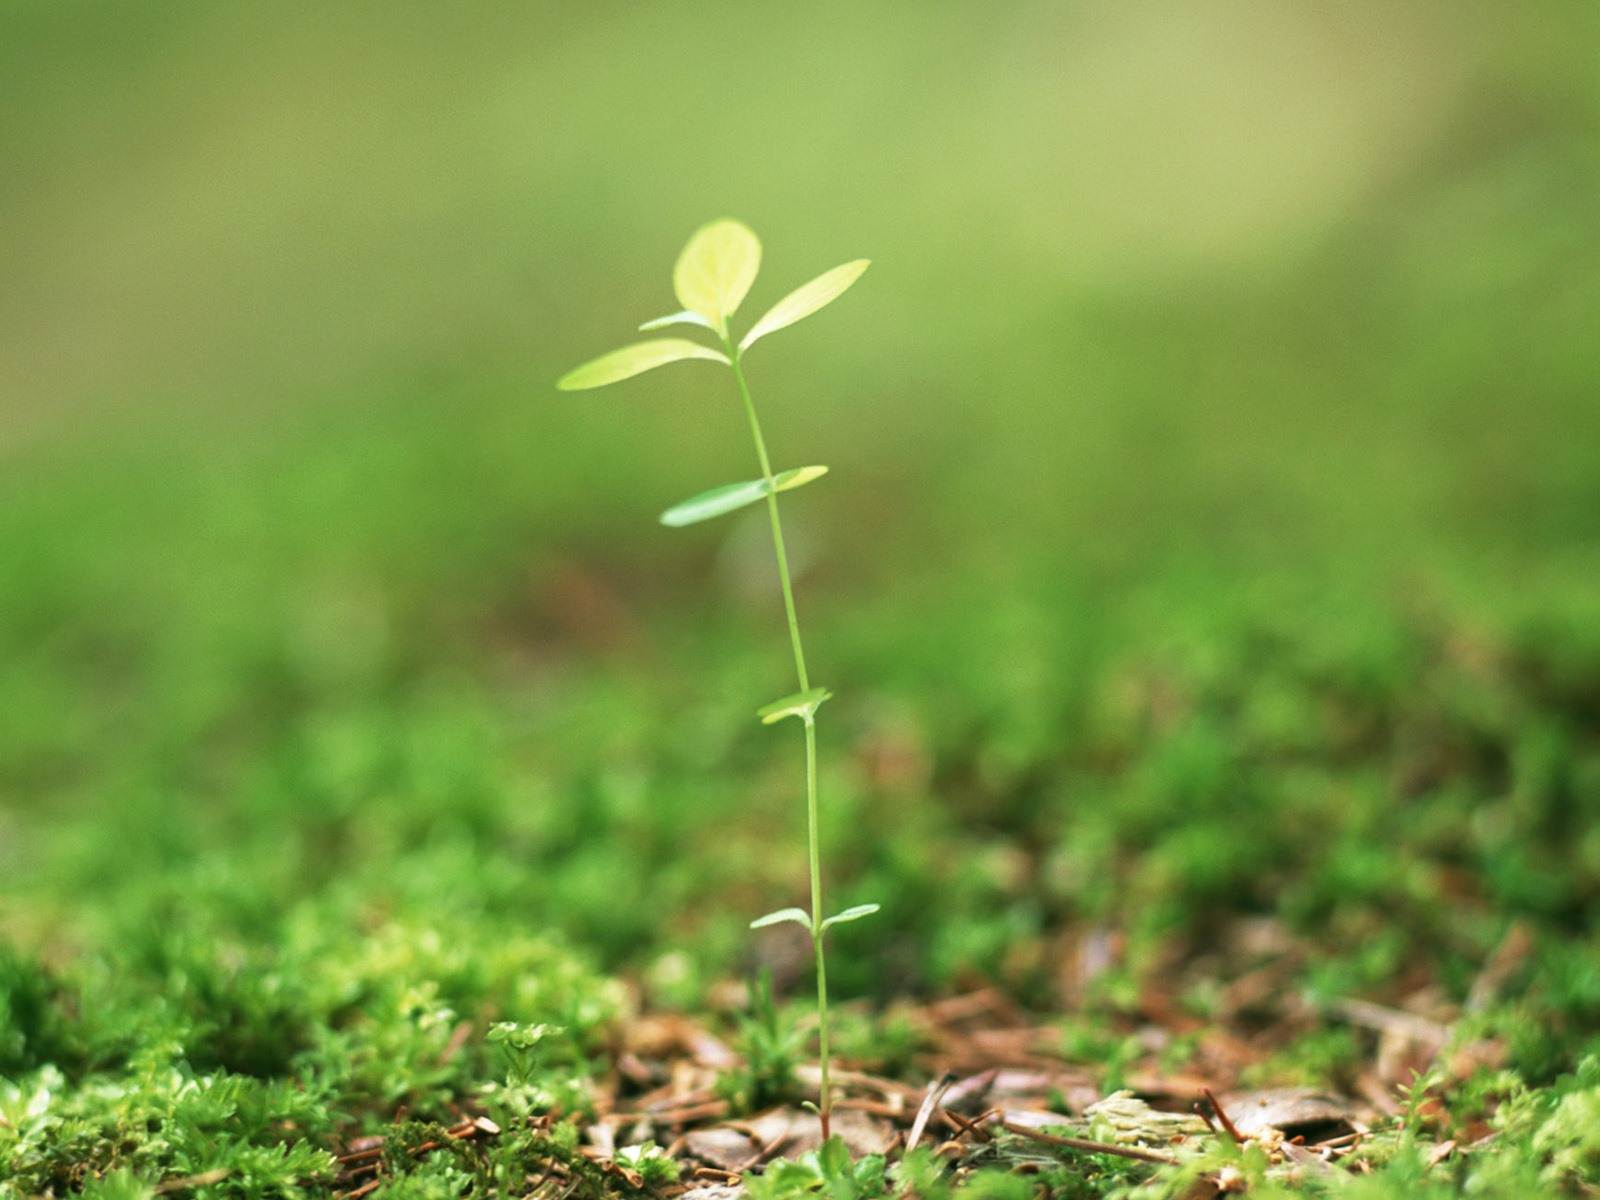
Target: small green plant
pixel 769 1045
pixel 712 277
pixel 522 1046
pixel 656 1167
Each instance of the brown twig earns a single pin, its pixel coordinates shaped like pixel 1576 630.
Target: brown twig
pixel 716 1173
pixel 873 1108
pixel 1396 1022
pixel 1222 1116
pixel 458 1038
pixel 1341 1142
pixel 971 1128
pixel 1092 1147
pixel 675 1116
pixel 766 1153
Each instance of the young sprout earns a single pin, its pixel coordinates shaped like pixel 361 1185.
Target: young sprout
pixel 711 279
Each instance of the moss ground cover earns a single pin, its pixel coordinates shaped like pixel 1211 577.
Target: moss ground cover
pixel 292 823
pixel 1206 571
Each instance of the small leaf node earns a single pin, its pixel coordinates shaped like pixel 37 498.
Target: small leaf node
pixel 801 704
pixel 787 481
pixel 733 496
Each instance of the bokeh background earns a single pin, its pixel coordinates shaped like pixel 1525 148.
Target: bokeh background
pixel 1214 447
pixel 1279 271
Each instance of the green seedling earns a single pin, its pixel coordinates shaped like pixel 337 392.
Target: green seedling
pixel 711 279
pixel 769 1045
pixel 523 1047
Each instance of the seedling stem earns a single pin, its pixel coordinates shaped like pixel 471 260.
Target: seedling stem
pixel 814 836
pixel 712 276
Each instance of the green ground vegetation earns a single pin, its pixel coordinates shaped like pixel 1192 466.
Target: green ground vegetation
pixel 1207 600
pixel 325 771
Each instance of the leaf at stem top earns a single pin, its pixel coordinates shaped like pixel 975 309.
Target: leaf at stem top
pixel 731 496
pixel 806 299
pixel 634 360
pixel 716 269
pixel 851 914
pixel 798 915
pixel 682 318
pixel 801 704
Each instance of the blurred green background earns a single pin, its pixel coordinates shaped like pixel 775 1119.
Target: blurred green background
pixel 1214 445
pixel 1284 271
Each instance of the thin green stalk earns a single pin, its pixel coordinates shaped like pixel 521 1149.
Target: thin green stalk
pixel 826 1106
pixel 772 512
pixel 814 837
pixel 711 278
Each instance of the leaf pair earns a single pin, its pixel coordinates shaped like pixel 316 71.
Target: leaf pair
pixel 732 496
pixel 714 273
pixel 800 917
pixel 802 704
pixel 712 277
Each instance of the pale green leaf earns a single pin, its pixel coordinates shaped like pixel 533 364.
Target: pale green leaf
pixel 714 503
pixel 633 360
pixel 787 481
pixel 798 915
pixel 716 269
pixel 732 496
pixel 682 318
pixel 851 914
pixel 806 299
pixel 801 704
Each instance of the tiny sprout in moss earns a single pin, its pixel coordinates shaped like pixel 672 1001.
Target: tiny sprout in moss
pixel 656 1167
pixel 712 277
pixel 523 1046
